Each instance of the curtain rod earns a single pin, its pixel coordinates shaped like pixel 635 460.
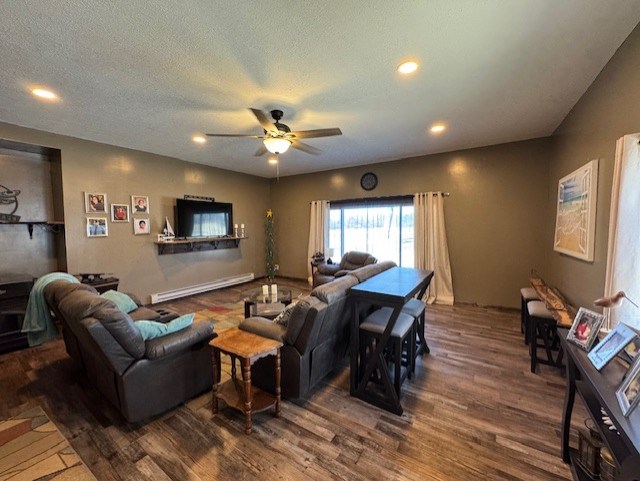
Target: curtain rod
pixel 407 196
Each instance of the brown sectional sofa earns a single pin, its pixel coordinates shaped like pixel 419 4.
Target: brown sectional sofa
pixel 316 339
pixel 141 379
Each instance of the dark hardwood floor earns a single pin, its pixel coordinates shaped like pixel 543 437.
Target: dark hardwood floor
pixel 472 412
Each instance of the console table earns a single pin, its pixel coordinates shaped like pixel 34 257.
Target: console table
pixel 598 389
pixel 392 288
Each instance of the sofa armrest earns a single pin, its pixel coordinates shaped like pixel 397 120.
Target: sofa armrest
pixel 179 341
pixel 328 269
pixel 264 327
pixel 342 273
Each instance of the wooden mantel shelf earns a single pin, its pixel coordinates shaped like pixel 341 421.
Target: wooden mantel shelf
pixel 53 225
pixel 195 245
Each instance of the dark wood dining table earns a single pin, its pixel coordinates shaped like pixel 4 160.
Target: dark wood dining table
pixel 391 288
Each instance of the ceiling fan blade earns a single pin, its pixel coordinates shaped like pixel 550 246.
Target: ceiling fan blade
pixel 305 147
pixel 264 120
pixel 261 151
pixel 308 134
pixel 236 135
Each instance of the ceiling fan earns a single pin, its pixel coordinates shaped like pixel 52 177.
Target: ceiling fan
pixel 278 137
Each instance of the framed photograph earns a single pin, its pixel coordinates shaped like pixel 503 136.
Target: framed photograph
pixel 139 204
pixel 119 212
pixel 95 203
pixel 576 212
pixel 632 349
pixel 611 345
pixel 585 327
pixel 97 227
pixel 628 393
pixel 141 226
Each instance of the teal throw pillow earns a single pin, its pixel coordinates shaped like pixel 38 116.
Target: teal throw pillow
pixel 121 300
pixel 153 329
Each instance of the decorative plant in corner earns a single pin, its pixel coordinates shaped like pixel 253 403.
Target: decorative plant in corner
pixel 270 246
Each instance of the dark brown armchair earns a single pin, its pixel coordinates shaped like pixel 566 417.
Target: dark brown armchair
pixel 350 261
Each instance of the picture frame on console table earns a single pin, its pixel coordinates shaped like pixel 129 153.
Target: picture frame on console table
pixel 585 328
pixel 628 393
pixel 619 338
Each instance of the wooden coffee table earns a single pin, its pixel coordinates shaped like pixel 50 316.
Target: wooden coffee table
pixel 238 394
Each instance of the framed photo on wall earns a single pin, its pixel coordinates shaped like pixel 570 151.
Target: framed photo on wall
pixel 97 227
pixel 119 212
pixel 585 328
pixel 576 212
pixel 139 204
pixel 141 226
pixel 628 393
pixel 611 345
pixel 95 203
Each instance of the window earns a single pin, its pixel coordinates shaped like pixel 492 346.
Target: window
pixel 381 227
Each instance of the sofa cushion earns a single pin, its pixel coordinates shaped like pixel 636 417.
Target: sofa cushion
pixel 334 290
pixel 364 273
pixel 296 319
pixel 354 259
pixel 121 327
pixel 284 316
pixel 76 304
pixel 152 329
pixel 121 300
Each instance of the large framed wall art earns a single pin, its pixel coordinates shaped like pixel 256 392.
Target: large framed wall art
pixel 576 212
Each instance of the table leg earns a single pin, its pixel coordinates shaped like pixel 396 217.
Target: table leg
pixel 569 397
pixel 215 364
pixel 246 377
pixel 233 366
pixel 278 383
pixel 355 348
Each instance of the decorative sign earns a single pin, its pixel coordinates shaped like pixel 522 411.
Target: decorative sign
pixel 9 197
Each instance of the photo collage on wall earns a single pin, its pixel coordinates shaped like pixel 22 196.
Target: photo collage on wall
pixel 97 225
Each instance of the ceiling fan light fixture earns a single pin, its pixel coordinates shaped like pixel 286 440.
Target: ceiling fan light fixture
pixel 277 145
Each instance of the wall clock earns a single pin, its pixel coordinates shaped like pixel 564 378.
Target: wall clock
pixel 369 181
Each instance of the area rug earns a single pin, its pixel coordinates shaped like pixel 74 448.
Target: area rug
pixel 222 316
pixel 32 448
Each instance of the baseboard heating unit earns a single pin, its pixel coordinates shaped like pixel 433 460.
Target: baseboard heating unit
pixel 199 288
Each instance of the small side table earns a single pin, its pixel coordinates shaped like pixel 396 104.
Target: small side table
pixel 240 394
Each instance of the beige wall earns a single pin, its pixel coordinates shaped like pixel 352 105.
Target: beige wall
pixel 495 216
pixel 608 110
pixel 120 172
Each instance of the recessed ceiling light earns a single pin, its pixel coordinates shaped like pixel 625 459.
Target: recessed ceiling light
pixel 407 67
pixel 44 94
pixel 437 128
pixel 273 159
pixel 199 139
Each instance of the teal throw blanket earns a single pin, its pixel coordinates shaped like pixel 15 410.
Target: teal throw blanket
pixel 38 324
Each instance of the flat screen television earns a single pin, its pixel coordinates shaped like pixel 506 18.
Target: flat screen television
pixel 196 218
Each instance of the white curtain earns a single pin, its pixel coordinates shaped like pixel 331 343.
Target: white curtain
pixel 623 256
pixel 430 244
pixel 318 231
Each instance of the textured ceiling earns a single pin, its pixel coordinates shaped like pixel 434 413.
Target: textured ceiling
pixel 150 75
